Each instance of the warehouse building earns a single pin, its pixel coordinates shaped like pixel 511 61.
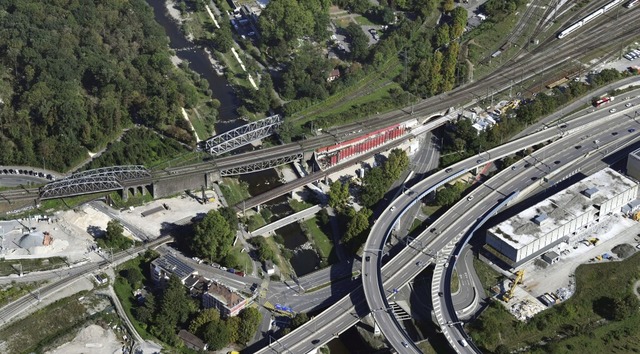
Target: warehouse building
pixel 556 219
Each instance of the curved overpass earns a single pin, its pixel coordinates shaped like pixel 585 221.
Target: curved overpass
pixel 447 228
pixel 401 268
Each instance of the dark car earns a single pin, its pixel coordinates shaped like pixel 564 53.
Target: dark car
pixel 527 165
pixel 578 147
pixel 631 130
pixel 315 341
pixel 448 170
pixel 367 258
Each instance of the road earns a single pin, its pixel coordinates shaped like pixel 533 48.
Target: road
pixel 340 315
pixel 17 307
pixel 488 195
pixel 301 215
pixel 457 219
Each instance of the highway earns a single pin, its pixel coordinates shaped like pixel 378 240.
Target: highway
pixel 496 189
pixel 339 317
pixel 458 218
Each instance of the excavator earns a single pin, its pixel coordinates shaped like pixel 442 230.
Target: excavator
pixel 509 294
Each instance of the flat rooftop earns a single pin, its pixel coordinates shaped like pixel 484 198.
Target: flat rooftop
pixel 564 206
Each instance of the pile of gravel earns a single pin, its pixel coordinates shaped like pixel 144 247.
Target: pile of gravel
pixel 624 250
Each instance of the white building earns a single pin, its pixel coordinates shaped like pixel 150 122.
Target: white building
pixel 563 215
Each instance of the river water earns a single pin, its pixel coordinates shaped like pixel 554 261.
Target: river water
pixel 199 62
pixel 304 261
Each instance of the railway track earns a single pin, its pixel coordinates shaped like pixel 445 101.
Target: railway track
pixel 533 63
pixel 11 310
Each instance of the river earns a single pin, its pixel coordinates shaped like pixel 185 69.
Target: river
pixel 199 62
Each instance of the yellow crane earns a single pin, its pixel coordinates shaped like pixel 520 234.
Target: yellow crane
pixel 509 294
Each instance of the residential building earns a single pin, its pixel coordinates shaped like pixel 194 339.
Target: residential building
pixel 228 301
pixel 191 341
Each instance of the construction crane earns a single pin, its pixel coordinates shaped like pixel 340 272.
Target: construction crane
pixel 509 294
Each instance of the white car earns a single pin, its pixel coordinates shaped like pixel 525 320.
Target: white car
pixel 628 105
pixel 393 208
pixel 612 110
pixel 470 197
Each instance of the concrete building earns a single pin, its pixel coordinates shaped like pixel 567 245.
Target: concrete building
pixel 226 300
pixel 565 214
pixel 164 266
pixel 633 164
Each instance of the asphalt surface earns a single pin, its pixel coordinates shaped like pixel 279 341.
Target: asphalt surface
pixel 342 315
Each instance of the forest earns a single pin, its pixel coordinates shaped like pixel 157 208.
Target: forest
pixel 75 73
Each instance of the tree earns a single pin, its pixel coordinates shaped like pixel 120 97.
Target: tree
pixel 114 237
pixel 442 36
pixel 250 320
pixel 448 5
pixel 222 39
pixel 356 228
pixel 216 334
pixel 212 237
pixel 134 276
pixel 284 21
pixel 205 316
pixel 229 214
pixel 174 309
pixel 374 186
pixel 397 162
pixel 459 22
pixel 298 320
pixel 233 324
pixel 338 195
pixel 625 307
pixel 359 42
pixel 146 312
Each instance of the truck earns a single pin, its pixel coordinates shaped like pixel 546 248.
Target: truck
pixel 602 101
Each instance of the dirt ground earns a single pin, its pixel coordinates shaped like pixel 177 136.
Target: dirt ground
pixel 92 339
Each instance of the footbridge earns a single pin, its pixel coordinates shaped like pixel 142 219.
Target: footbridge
pixel 241 136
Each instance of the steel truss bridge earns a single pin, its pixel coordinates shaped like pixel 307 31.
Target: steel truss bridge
pixel 98 180
pixel 241 136
pixel 259 165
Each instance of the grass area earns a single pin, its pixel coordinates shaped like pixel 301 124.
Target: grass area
pixel 601 317
pixel 133 200
pixel 430 209
pixel 33 333
pixel 124 291
pixel 234 191
pixel 361 20
pixel 323 242
pixel 242 258
pixel 426 348
pixel 298 205
pixel 455 281
pixel 487 275
pixel 15 291
pixel 281 261
pixel 372 81
pixel 49 205
pixel 256 221
pixel 8 267
pixel 198 124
